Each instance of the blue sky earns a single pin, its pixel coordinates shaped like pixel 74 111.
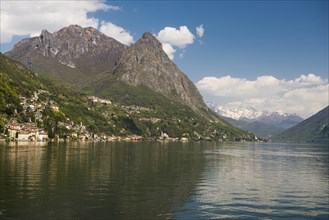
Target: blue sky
pixel 242 39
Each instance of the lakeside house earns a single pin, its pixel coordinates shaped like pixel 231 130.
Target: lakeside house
pixel 24 136
pixel 25 132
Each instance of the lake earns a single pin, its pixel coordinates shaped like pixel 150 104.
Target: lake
pixel 154 180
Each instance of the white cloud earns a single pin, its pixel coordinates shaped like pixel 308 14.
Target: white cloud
pixel 173 39
pixel 200 30
pixel 304 95
pixel 23 18
pixel 170 51
pixel 176 37
pixel 116 32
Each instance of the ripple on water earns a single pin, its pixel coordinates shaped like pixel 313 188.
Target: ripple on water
pixel 164 181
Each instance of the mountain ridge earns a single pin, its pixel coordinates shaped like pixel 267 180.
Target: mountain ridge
pixel 264 124
pixel 70 54
pixel 248 113
pixel 312 129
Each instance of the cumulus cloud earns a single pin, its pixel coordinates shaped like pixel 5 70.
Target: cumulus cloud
pixel 200 30
pixel 304 95
pixel 116 32
pixel 170 51
pixel 173 39
pixel 176 37
pixel 23 18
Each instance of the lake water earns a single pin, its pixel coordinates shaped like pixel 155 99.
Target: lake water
pixel 163 181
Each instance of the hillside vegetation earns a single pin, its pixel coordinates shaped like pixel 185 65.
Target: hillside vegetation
pixel 132 110
pixel 313 129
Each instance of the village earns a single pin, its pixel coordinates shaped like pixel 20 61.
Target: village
pixel 31 129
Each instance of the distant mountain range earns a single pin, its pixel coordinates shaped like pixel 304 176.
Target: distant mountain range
pixel 150 95
pixel 264 124
pixel 313 129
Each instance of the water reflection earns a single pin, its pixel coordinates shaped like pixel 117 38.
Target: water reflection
pixel 263 181
pixel 163 181
pixel 97 180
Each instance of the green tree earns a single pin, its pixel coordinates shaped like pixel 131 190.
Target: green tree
pixel 2 125
pixel 52 119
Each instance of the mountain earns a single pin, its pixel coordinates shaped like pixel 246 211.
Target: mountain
pixel 15 81
pixel 26 98
pixel 280 119
pixel 150 96
pixel 260 129
pixel 313 129
pixel 247 113
pixel 86 59
pixel 72 55
pixel 31 101
pixel 145 63
pixel 264 124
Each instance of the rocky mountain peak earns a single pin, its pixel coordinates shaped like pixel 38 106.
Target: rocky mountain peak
pixel 146 63
pixel 148 35
pixel 74 26
pixel 148 43
pixel 80 32
pixel 150 39
pixel 44 33
pixel 85 50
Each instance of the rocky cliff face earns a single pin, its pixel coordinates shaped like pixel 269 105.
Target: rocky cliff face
pixel 145 63
pixel 84 51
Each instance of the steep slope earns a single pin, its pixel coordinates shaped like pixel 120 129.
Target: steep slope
pixel 15 81
pixel 61 111
pixel 145 63
pixel 146 67
pixel 72 55
pixel 18 88
pixel 313 129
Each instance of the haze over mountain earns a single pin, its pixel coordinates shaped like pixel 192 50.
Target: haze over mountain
pixel 313 129
pixel 141 76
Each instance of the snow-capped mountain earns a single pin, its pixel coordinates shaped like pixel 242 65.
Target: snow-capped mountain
pixel 240 113
pixel 250 114
pixel 246 113
pixel 257 121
